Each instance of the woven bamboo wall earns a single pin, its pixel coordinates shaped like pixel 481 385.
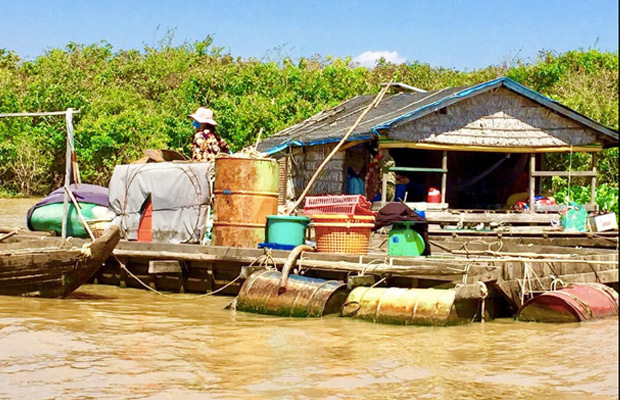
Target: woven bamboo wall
pixel 496 118
pixel 306 163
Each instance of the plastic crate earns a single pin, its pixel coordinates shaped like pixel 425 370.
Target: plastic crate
pixel 348 209
pixel 337 199
pixel 337 204
pixel 340 218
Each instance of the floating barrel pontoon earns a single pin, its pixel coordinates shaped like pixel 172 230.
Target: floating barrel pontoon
pixel 403 306
pixel 573 303
pixel 304 297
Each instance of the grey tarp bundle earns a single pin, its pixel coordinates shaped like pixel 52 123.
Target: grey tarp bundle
pixel 179 192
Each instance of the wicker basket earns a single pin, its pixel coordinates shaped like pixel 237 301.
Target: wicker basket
pixel 342 233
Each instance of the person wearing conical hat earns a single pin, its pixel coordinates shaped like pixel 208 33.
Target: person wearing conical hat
pixel 207 143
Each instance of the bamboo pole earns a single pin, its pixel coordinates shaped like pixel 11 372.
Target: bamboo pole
pixel 37 114
pixel 8 235
pixel 68 163
pixel 77 208
pixel 372 105
pixel 532 188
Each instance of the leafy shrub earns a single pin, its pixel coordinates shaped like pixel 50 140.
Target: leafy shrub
pixel 131 100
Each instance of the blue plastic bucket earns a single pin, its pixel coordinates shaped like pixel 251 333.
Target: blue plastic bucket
pixel 287 229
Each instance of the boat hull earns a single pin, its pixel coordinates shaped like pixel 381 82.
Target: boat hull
pixel 51 270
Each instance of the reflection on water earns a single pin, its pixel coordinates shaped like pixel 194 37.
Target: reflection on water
pixel 106 342
pixel 13 211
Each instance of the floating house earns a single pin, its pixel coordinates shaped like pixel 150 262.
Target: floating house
pixel 477 144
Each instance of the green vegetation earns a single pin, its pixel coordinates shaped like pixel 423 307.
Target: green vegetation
pixel 131 100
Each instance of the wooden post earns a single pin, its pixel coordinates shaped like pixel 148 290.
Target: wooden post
pixel 384 179
pixel 593 182
pixel 444 176
pixel 532 182
pixel 69 153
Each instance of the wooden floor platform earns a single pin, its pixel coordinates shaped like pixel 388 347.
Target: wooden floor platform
pixel 511 272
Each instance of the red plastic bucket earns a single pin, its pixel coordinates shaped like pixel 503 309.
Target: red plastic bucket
pixel 434 196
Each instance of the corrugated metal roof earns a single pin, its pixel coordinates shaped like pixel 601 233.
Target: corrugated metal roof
pixel 330 126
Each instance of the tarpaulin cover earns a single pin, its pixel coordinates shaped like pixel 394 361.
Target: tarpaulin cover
pixel 84 193
pixel 179 193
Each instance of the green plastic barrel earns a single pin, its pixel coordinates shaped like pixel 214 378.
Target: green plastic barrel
pixel 287 229
pixel 404 241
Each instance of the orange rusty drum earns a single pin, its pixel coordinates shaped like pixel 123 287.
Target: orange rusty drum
pixel 245 193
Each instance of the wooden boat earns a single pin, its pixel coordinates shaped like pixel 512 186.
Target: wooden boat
pixel 573 303
pixel 51 267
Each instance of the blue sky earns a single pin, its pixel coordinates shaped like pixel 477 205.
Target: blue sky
pixel 453 34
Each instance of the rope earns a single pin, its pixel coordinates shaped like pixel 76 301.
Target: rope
pixel 358 303
pixel 264 258
pixel 465 272
pixel 352 313
pixel 554 283
pixel 527 280
pixel 369 264
pixel 585 306
pixel 598 278
pixel 499 248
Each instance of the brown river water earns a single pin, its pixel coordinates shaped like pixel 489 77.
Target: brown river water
pixel 110 343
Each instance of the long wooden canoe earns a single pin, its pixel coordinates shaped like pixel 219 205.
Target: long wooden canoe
pixel 52 268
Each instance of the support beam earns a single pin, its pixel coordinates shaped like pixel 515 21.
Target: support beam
pixel 593 181
pixel 532 182
pixel 541 174
pixel 402 144
pixel 444 176
pixel 384 179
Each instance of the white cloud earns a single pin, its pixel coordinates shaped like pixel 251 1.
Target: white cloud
pixel 370 58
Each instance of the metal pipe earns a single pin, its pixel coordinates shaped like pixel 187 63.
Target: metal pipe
pixel 290 260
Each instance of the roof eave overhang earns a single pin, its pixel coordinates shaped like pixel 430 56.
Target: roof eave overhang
pixel 360 137
pixel 611 135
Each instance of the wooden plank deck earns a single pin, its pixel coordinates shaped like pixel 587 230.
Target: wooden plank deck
pixel 202 269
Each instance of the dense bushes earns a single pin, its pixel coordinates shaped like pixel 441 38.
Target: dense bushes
pixel 132 100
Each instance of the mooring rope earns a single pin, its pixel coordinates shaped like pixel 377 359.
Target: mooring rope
pixel 554 283
pixel 263 258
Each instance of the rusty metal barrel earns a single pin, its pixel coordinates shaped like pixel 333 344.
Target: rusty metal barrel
pixel 574 303
pixel 304 296
pixel 245 193
pixel 402 306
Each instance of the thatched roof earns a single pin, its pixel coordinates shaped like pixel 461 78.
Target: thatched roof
pixel 396 109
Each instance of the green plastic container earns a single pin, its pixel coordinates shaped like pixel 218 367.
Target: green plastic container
pixel 49 218
pixel 287 229
pixel 574 218
pixel 404 241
